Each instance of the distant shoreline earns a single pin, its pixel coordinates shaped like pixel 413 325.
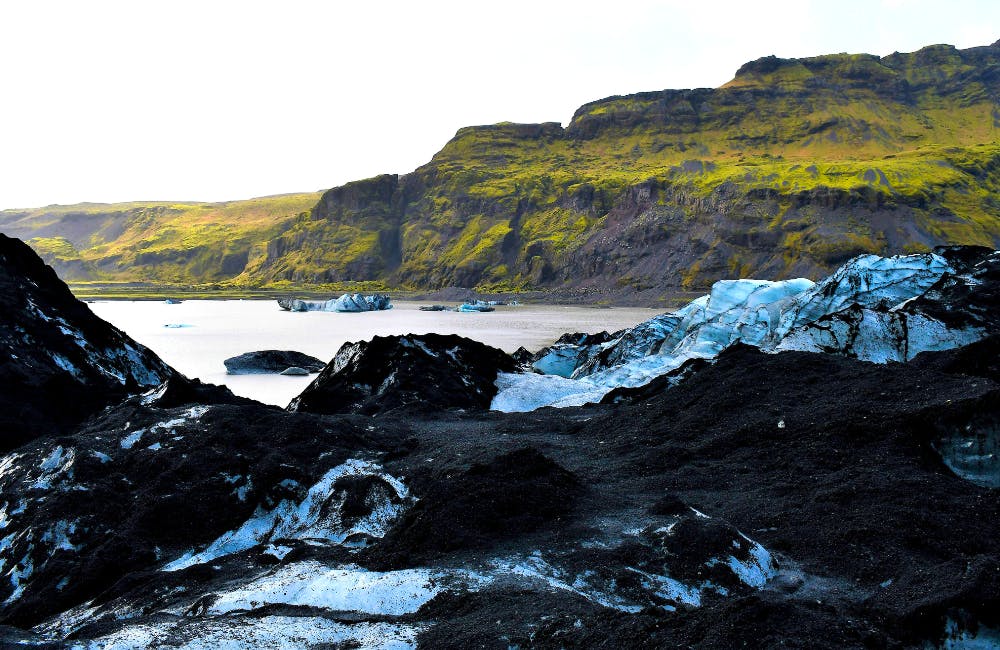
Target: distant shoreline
pixel 580 297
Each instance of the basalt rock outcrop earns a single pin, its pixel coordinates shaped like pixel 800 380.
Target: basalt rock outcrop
pixel 424 372
pixel 271 362
pixel 59 362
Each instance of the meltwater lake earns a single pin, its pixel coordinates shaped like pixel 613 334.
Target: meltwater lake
pixel 195 336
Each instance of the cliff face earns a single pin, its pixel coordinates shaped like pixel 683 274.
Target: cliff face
pixel 787 170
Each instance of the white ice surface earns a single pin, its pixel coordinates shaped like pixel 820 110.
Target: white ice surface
pixel 534 567
pixel 527 392
pixel 244 633
pixel 756 570
pixel 344 589
pixel 755 312
pixel 291 520
pixel 129 441
pixel 669 589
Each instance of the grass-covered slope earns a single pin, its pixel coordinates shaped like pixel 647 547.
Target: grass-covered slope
pixel 188 243
pixel 787 170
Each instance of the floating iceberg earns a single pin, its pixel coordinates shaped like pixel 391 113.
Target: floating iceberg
pixel 349 302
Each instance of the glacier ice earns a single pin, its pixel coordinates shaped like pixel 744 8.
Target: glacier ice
pixel 859 310
pixel 312 518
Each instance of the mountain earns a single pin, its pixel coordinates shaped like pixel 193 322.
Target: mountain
pixel 788 170
pixel 164 242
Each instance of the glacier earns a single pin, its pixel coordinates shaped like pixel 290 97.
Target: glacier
pixel 864 309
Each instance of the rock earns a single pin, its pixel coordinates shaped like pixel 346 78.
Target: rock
pixel 428 371
pixel 295 371
pixel 59 363
pixel 178 390
pixel 522 356
pixel 271 362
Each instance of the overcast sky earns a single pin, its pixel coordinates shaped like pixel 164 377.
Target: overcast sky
pixel 143 100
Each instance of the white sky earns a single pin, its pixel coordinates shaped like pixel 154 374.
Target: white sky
pixel 175 100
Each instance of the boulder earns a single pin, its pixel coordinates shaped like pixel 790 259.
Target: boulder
pixel 295 371
pixel 428 371
pixel 265 362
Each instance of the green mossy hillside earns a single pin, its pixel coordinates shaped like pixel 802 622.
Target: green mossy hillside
pixel 789 169
pixel 163 242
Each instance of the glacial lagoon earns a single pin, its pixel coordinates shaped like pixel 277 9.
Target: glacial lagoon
pixel 195 336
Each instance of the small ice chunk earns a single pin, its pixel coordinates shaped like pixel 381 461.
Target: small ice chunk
pixel 129 441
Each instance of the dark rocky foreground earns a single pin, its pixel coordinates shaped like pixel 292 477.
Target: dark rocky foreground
pixel 794 499
pixel 61 362
pixel 427 372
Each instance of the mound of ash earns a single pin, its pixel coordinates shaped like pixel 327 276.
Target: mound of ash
pixel 59 363
pixel 423 372
pixel 271 362
pixel 143 485
pixel 513 494
pixel 178 390
pixel 980 359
